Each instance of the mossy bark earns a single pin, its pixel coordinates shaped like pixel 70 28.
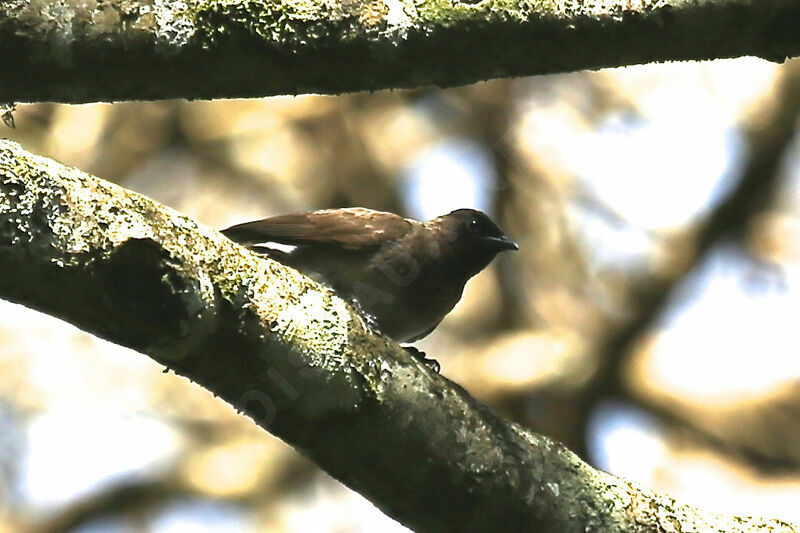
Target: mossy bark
pixel 89 51
pixel 301 363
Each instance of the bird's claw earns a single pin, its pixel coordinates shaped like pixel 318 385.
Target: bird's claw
pixel 433 364
pixel 371 321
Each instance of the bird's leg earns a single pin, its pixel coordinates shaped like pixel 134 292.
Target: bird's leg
pixel 433 364
pixel 372 322
pixel 370 319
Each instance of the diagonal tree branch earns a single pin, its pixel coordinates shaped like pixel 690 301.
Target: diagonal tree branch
pixel 120 50
pixel 297 360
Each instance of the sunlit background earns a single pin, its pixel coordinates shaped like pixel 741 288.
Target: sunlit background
pixel 650 320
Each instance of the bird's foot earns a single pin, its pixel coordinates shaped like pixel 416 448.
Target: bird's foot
pixel 433 364
pixel 370 320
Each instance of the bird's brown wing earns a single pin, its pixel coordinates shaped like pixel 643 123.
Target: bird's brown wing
pixel 347 229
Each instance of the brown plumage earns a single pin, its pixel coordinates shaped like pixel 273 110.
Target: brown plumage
pixel 404 275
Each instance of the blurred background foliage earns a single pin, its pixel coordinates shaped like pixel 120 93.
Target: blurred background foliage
pixel 649 320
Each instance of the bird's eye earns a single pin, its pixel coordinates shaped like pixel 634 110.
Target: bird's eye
pixel 473 226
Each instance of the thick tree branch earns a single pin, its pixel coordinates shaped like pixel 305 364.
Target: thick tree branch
pixel 119 50
pixel 297 360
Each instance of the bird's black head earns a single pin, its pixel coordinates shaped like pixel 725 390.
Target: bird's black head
pixel 474 238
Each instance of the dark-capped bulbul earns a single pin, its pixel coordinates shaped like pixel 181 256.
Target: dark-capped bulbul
pixel 404 275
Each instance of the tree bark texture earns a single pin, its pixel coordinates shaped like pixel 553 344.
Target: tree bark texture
pixel 89 51
pixel 299 362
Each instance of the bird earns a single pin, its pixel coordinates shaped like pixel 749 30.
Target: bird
pixel 402 275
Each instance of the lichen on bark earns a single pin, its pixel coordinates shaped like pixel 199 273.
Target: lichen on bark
pixel 301 363
pixel 83 51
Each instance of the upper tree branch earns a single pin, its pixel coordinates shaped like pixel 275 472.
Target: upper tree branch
pixel 297 360
pixel 120 50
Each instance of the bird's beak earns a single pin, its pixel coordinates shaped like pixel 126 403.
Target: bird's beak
pixel 503 243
